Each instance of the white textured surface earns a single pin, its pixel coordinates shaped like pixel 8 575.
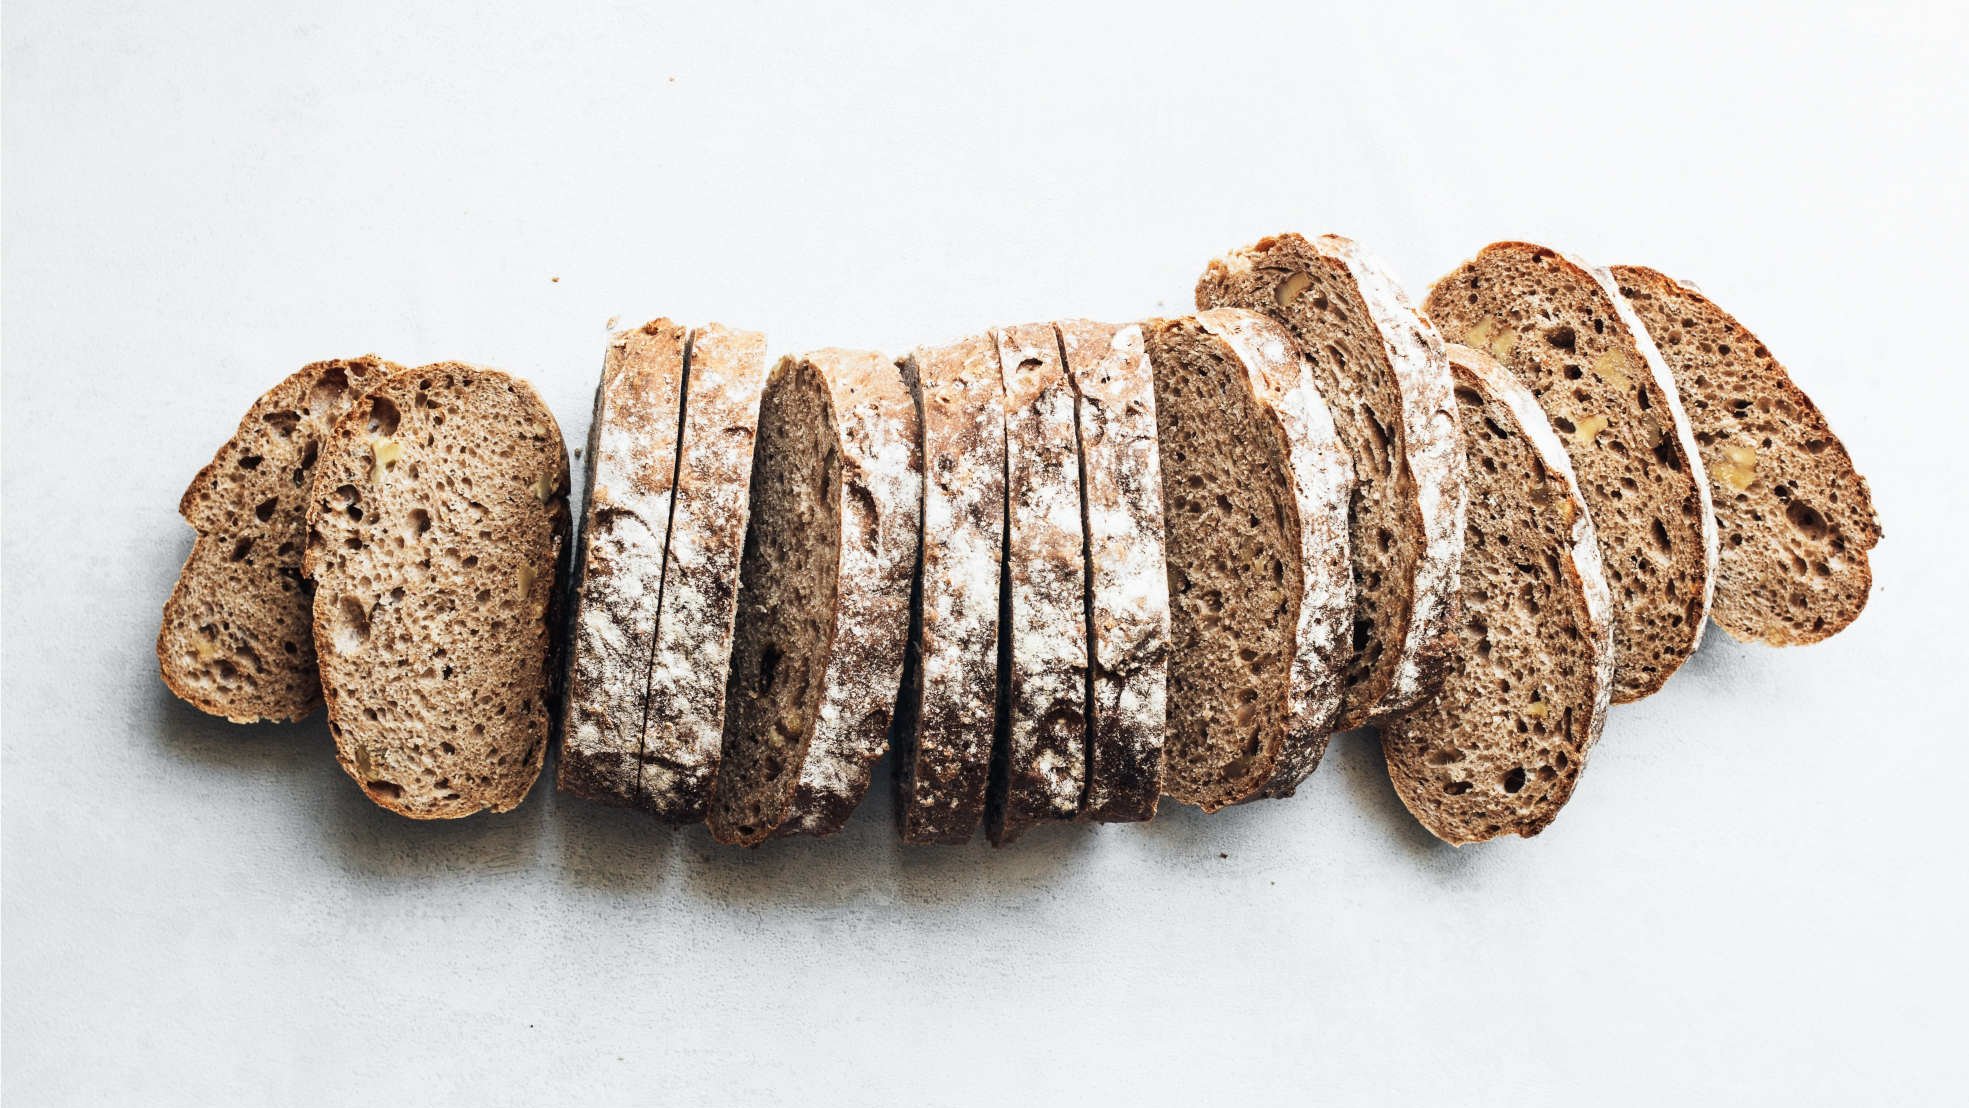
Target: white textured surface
pixel 1755 896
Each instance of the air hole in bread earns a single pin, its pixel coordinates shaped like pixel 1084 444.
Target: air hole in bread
pixel 1806 519
pixel 265 509
pixel 241 549
pixel 250 461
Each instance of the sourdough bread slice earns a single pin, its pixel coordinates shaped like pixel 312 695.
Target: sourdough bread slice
pixel 949 708
pixel 1564 329
pixel 823 596
pixel 437 536
pixel 1498 749
pixel 1039 762
pixel 684 713
pixel 1794 519
pixel 1127 577
pixel 1381 367
pixel 1234 422
pixel 236 639
pixel 632 462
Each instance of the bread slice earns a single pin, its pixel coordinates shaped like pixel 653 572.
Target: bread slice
pixel 1564 329
pixel 632 463
pixel 1127 577
pixel 1381 367
pixel 949 708
pixel 1039 763
pixel 1795 520
pixel 236 639
pixel 823 596
pixel 1498 749
pixel 437 535
pixel 684 719
pixel 1250 488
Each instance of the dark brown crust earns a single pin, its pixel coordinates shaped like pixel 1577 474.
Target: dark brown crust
pixel 945 742
pixel 263 432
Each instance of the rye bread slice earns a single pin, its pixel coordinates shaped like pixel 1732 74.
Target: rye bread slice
pixel 1563 328
pixel 684 714
pixel 1794 519
pixel 1498 748
pixel 1127 577
pixel 237 639
pixel 823 607
pixel 437 537
pixel 1039 760
pixel 632 463
pixel 948 712
pixel 1381 367
pixel 1253 483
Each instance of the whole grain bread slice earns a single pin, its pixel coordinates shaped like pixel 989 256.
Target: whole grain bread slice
pixel 1254 494
pixel 684 713
pixel 236 639
pixel 632 463
pixel 437 537
pixel 1794 518
pixel 948 712
pixel 1499 747
pixel 1127 576
pixel 1381 368
pixel 823 608
pixel 1563 328
pixel 1039 761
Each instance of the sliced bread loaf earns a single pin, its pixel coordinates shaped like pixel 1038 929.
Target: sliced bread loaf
pixel 1128 583
pixel 1039 763
pixel 1564 329
pixel 632 462
pixel 1794 519
pixel 437 534
pixel 236 639
pixel 1245 477
pixel 684 717
pixel 1498 749
pixel 1381 368
pixel 823 596
pixel 950 704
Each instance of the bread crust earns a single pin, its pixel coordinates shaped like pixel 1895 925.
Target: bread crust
pixel 1322 473
pixel 243 573
pixel 1853 527
pixel 683 720
pixel 950 706
pixel 632 462
pixel 1128 578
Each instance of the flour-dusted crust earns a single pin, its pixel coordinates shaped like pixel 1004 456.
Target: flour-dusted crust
pixel 881 528
pixel 950 707
pixel 724 373
pixel 1322 475
pixel 1498 749
pixel 1794 517
pixel 236 639
pixel 1040 773
pixel 632 460
pixel 1128 582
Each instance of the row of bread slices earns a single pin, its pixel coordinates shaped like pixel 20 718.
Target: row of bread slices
pixel 1061 570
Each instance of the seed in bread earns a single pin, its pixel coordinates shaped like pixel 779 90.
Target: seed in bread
pixel 1039 765
pixel 1794 518
pixel 632 462
pixel 437 537
pixel 1381 368
pixel 236 639
pixel 1498 749
pixel 1127 577
pixel 1563 328
pixel 823 609
pixel 684 717
pixel 1232 422
pixel 949 709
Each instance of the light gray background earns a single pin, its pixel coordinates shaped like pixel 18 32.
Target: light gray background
pixel 1755 896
